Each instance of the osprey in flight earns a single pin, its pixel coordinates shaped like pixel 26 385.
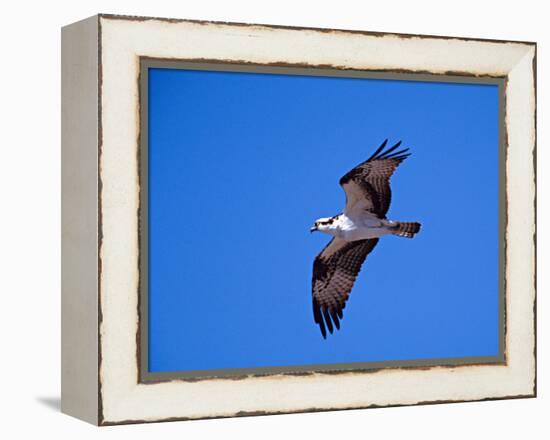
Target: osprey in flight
pixel 355 233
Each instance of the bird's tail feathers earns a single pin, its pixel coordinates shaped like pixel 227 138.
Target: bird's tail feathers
pixel 406 229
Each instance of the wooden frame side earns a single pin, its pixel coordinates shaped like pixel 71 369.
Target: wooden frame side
pixel 79 260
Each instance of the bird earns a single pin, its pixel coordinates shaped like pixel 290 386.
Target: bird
pixel 356 232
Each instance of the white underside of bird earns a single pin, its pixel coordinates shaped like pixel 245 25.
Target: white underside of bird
pixel 358 227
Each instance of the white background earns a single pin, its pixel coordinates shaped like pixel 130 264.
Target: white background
pixel 30 217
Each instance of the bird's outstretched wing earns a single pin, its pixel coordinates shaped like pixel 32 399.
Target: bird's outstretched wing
pixel 334 272
pixel 367 186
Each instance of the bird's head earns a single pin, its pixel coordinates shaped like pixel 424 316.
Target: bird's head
pixel 322 224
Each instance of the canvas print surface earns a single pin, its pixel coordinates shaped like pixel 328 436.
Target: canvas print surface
pixel 251 175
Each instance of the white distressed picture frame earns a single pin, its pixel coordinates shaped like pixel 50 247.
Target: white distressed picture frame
pixel 101 207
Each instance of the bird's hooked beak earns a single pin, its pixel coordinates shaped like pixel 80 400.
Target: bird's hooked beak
pixel 313 229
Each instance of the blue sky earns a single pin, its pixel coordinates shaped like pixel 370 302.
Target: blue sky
pixel 241 165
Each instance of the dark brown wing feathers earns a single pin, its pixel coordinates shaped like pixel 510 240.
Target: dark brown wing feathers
pixel 373 176
pixel 333 279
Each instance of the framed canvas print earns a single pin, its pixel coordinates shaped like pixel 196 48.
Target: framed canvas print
pixel 263 219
